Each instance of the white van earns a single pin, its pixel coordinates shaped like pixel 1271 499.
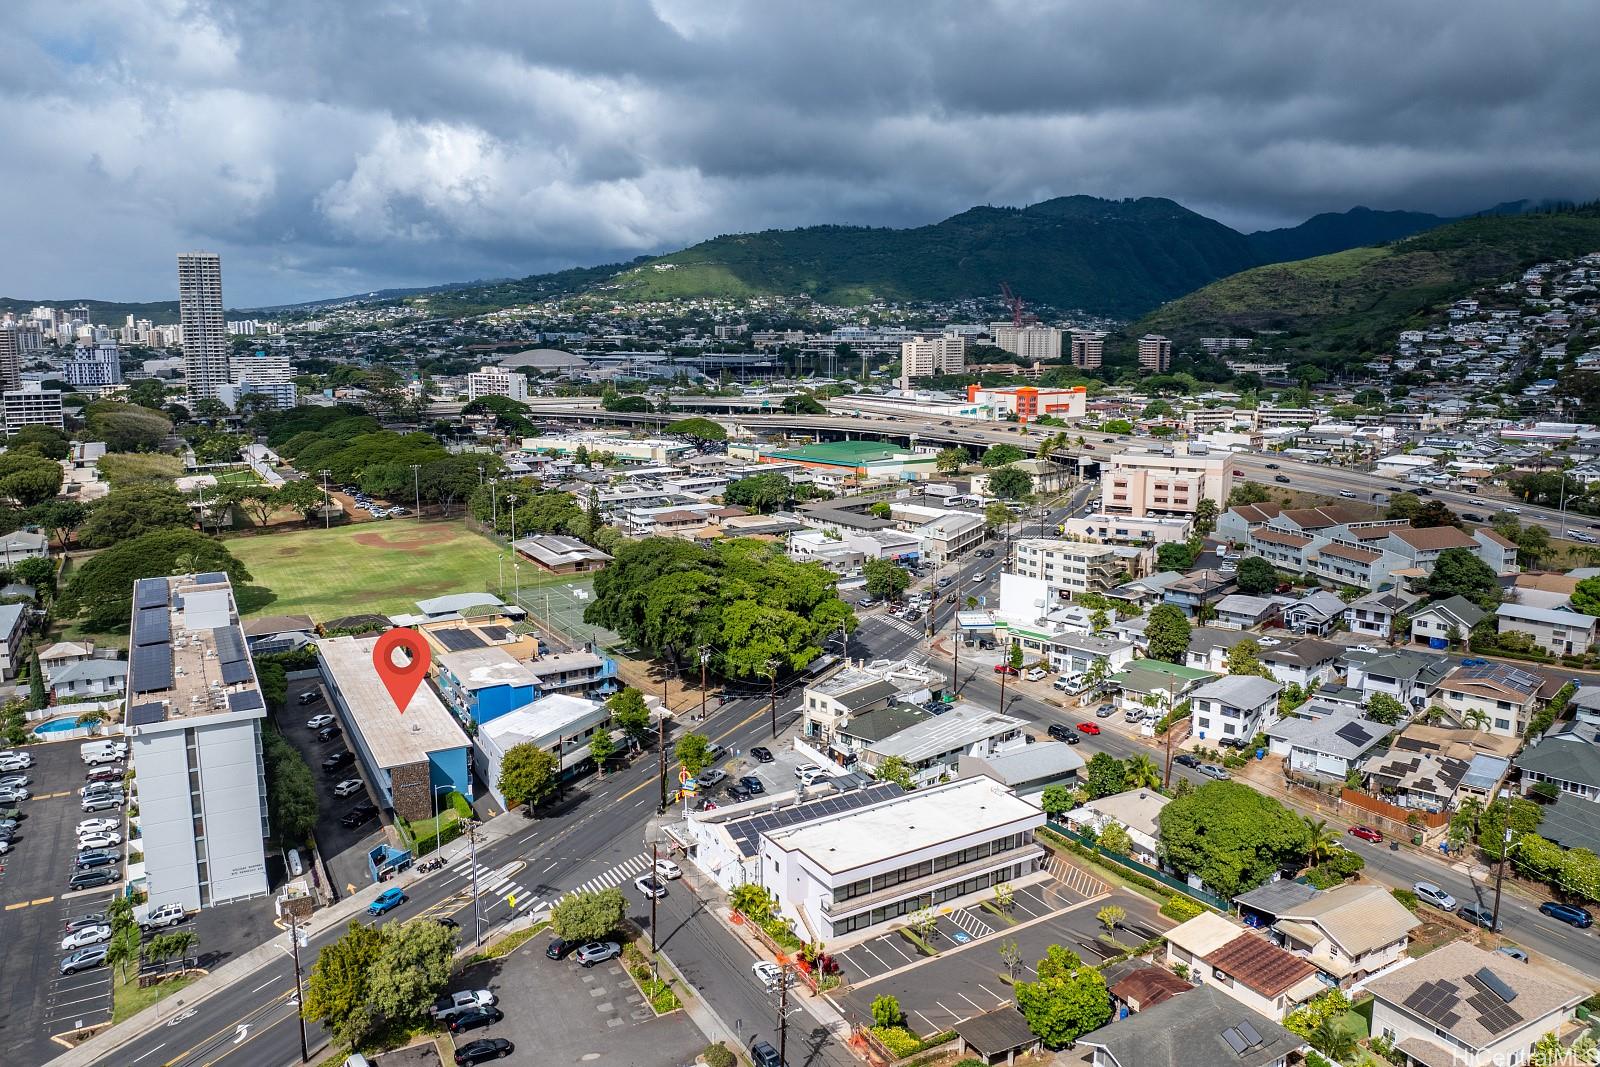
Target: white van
pixel 94 752
pixel 1069 683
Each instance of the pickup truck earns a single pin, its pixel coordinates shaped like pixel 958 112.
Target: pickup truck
pixel 452 1004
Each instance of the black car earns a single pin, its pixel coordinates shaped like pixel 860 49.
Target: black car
pixel 559 949
pixel 84 922
pixel 753 784
pixel 475 1020
pixel 1472 516
pixel 762 1054
pixel 1186 759
pixel 93 879
pixel 1422 490
pixel 1477 916
pixel 483 1050
pixel 761 754
pixel 1284 478
pixel 1060 731
pixel 338 761
pixel 448 923
pixel 357 815
pixel 737 793
pixel 104 774
pixel 328 733
pixel 1272 466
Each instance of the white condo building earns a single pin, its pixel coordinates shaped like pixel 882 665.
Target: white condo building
pixel 32 405
pixel 925 357
pixel 492 381
pixel 1031 342
pixel 94 366
pixel 194 725
pixel 205 332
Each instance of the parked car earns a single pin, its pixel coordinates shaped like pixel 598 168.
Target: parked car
pixel 105 774
pixel 483 1050
pixel 12 760
pixel 101 803
pixel 737 793
pixel 359 814
pixel 1514 952
pixel 667 870
pixel 14 781
pixel 88 935
pixel 165 915
pixel 1005 668
pixel 752 785
pixel 1104 711
pixel 769 974
pixel 89 859
pixel 1570 914
pixel 338 761
pixel 598 952
pixel 347 787
pixel 1037 674
pixel 93 879
pixel 317 722
pixel 386 901
pixel 103 839
pixel 710 777
pixel 651 888
pixel 1088 727
pixel 475 1019
pixel 559 949
pixel 94 789
pixel 1186 759
pixel 328 733
pixel 85 958
pixel 761 754
pixel 94 918
pixel 1367 833
pixel 1211 770
pixel 452 1004
pixel 1477 916
pixel 1432 894
pixel 762 1054
pixel 308 697
pixel 13 795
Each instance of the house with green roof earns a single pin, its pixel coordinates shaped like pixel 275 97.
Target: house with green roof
pixel 1148 683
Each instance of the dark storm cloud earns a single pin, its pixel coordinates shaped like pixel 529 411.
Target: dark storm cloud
pixel 325 148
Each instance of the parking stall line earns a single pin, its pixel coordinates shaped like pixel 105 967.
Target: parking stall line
pixel 968 999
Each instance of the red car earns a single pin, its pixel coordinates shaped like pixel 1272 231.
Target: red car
pixel 1367 833
pixel 1238 474
pixel 1089 727
pixel 1004 668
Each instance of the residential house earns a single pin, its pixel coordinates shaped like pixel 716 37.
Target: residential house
pixel 1028 770
pixel 1348 932
pixel 1409 677
pixel 279 633
pixel 87 678
pixel 1237 611
pixel 1463 1005
pixel 1491 696
pixel 1209 648
pixel 1234 708
pixel 829 705
pixel 1434 768
pixel 861 730
pixel 1237 523
pixel 1154 685
pixel 1316 613
pixel 1202 1026
pixel 1245 966
pixel 1198 588
pixel 1561 631
pixel 1328 745
pixel 1137 811
pixel 1303 662
pixel 1567 757
pixel 23 544
pixel 1444 622
pixel 1139 986
pixel 1376 614
pixel 63 653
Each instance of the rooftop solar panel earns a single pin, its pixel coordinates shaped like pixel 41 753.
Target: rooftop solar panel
pixel 210 578
pixel 150 670
pixel 1353 733
pixel 152 626
pixel 746 832
pixel 150 592
pixel 458 640
pixel 230 644
pixel 496 633
pixel 236 672
pixel 147 713
pixel 247 701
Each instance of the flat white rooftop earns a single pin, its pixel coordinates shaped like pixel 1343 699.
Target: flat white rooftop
pixel 480 668
pixel 908 823
pixel 393 738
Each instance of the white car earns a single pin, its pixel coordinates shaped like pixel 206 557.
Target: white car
pixel 647 885
pixel 347 787
pixel 1432 894
pixel 665 868
pixel 317 722
pixel 769 974
pixel 1037 674
pixel 810 772
pixel 102 839
pixel 89 935
pixel 96 826
pixel 711 777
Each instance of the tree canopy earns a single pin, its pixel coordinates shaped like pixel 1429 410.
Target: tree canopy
pixel 1233 837
pixel 1068 1000
pixel 699 430
pixel 885 580
pixel 1459 572
pixel 124 514
pixel 528 775
pixel 102 589
pixel 28 478
pixel 589 916
pixel 744 599
pixel 1001 455
pixel 125 427
pixel 760 493
pixel 1168 632
pixel 1010 483
pixel 1256 576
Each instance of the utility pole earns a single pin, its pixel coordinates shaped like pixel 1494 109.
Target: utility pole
pixel 783 1013
pixel 705 658
pixel 1499 874
pixel 655 974
pixel 325 498
pixel 477 912
pixel 1166 778
pixel 416 485
pixel 299 992
pixel 661 749
pixel 494 504
pixel 511 498
pixel 772 677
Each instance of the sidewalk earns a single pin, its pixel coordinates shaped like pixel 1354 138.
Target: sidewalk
pixel 106 1042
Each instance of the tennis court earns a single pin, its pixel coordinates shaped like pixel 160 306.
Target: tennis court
pixel 559 603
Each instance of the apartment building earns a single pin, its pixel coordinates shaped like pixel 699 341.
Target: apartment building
pixel 1563 632
pixel 32 405
pixel 494 381
pixel 1031 342
pixel 94 366
pixel 869 867
pixel 1142 483
pixel 1088 349
pixel 1155 354
pixel 10 356
pixel 194 711
pixel 1073 566
pixel 1234 708
pixel 926 357
pixel 205 333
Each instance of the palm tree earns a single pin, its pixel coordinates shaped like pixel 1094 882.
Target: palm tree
pixel 1321 839
pixel 1476 718
pixel 1141 772
pixel 1333 1041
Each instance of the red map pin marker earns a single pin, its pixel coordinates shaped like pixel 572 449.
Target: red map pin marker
pixel 401 681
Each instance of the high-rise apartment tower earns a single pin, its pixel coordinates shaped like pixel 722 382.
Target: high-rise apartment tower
pixel 205 332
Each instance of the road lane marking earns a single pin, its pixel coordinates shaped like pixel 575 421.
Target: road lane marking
pixel 152 1052
pixel 263 985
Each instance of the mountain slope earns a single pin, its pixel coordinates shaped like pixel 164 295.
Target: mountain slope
pixel 1359 298
pixel 102 311
pixel 1331 232
pixel 1111 257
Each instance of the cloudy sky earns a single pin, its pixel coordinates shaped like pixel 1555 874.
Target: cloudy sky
pixel 332 146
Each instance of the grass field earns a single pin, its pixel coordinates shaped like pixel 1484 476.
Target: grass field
pixel 236 476
pixel 372 567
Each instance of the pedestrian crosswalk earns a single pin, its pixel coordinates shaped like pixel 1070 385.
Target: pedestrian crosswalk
pixel 505 885
pixel 910 629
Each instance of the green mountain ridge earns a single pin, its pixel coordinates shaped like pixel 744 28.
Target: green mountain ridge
pixel 1358 299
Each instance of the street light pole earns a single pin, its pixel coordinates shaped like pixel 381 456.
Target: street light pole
pixel 705 658
pixel 655 974
pixel 477 908
pixel 325 498
pixel 494 504
pixel 661 750
pixel 772 676
pixel 299 991
pixel 416 484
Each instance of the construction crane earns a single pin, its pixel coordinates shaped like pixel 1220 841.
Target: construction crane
pixel 1014 302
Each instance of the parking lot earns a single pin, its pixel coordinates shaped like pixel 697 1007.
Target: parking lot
pixel 965 978
pixel 343 849
pixel 559 1012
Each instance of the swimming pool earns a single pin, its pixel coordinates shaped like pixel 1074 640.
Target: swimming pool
pixel 56 726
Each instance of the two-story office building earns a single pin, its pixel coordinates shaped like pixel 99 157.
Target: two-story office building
pixel 873 866
pixel 194 727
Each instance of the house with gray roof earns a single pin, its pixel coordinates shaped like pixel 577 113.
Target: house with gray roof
pixel 1374 614
pixel 1028 770
pixel 1561 631
pixel 932 747
pixel 1202 1026
pixel 1316 613
pixel 1328 745
pixel 89 678
pixel 1347 932
pixel 1437 623
pixel 1410 677
pixel 1568 757
pixel 1303 662
pixel 1209 647
pixel 1234 708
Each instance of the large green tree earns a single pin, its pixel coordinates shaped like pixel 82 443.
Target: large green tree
pixel 411 969
pixel 1104 775
pixel 760 493
pixel 1168 632
pixel 1233 837
pixel 124 514
pixel 28 478
pixel 885 580
pixel 1065 1003
pixel 338 987
pixel 1011 483
pixel 629 712
pixel 528 775
pixel 125 427
pixel 102 589
pixel 1001 455
pixel 589 916
pixel 1458 572
pixel 1256 576
pixel 291 792
pixel 950 460
pixel 699 430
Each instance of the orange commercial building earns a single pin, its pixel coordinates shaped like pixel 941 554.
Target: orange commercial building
pixel 1029 401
